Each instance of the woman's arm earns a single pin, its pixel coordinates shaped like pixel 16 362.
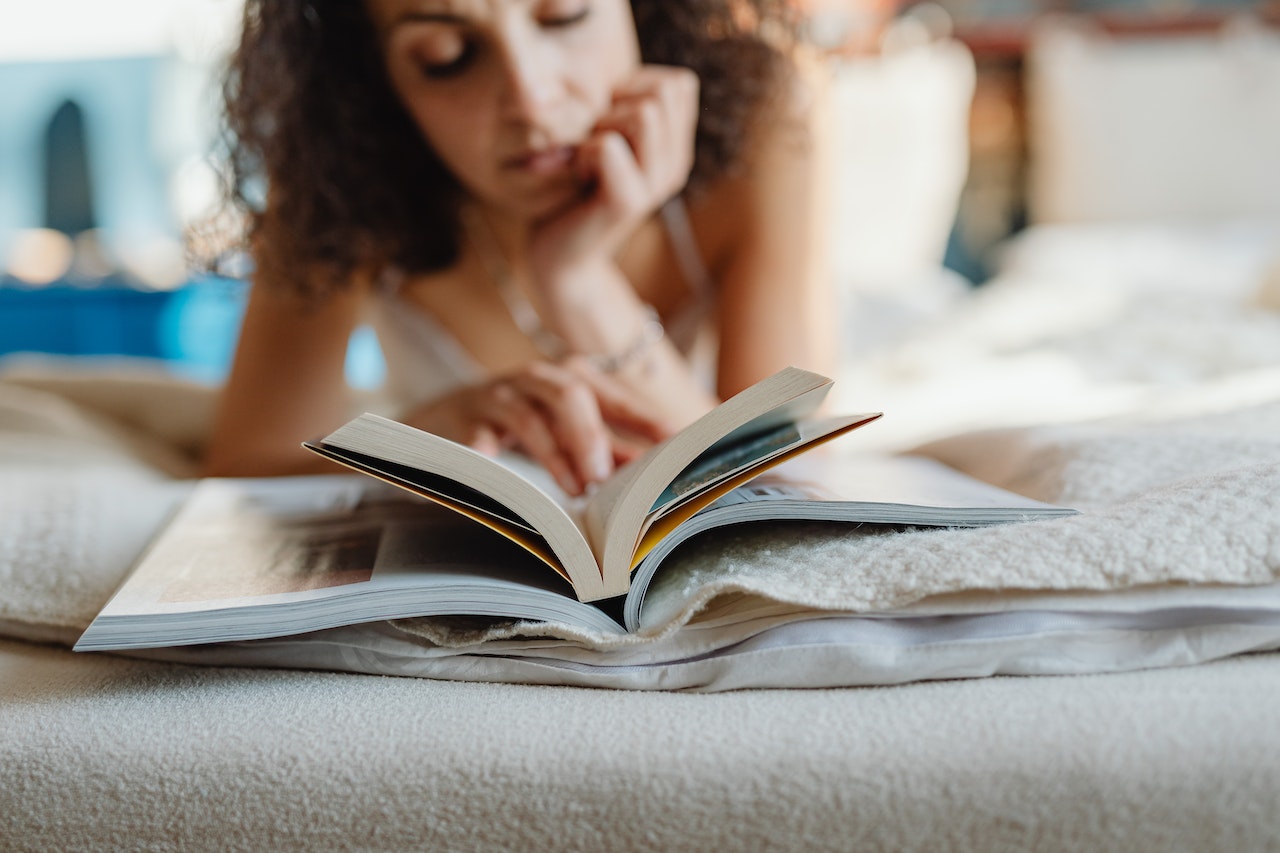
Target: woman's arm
pixel 287 384
pixel 778 305
pixel 637 157
pixel 765 228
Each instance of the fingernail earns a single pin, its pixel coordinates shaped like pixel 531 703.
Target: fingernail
pixel 601 463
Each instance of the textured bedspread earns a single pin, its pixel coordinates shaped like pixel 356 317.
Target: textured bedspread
pixel 109 753
pixel 1180 518
pixel 1178 475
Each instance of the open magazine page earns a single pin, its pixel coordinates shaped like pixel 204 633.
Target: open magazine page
pixel 829 485
pixel 909 482
pixel 517 506
pixel 718 472
pixel 255 558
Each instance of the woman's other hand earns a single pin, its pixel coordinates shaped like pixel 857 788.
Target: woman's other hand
pixel 570 418
pixel 637 157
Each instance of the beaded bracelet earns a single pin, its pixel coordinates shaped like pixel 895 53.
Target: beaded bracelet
pixel 651 334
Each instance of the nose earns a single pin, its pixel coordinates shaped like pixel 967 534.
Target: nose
pixel 531 79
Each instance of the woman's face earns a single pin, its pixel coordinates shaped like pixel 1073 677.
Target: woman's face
pixel 505 90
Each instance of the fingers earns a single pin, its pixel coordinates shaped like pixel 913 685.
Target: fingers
pixel 485 440
pixel 641 150
pixel 624 188
pixel 573 418
pixel 638 155
pixel 618 407
pixel 621 197
pixel 656 111
pixel 568 418
pixel 512 413
pixel 645 128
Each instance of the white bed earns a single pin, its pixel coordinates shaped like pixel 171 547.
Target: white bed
pixel 109 753
pixel 1178 457
pixel 1131 371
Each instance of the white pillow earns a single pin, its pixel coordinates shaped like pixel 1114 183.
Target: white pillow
pixel 900 132
pixel 1124 128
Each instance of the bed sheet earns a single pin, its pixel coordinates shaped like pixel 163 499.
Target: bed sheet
pixel 1081 322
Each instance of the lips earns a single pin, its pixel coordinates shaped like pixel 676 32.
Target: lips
pixel 542 161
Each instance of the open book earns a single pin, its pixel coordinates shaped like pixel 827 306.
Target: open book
pixel 595 545
pixel 247 559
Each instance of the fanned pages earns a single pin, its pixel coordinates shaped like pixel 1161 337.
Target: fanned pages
pixel 474 485
pixel 760 427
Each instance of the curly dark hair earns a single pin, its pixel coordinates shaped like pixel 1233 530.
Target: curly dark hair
pixel 335 176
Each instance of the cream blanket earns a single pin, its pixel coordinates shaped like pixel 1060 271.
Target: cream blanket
pixel 1178 513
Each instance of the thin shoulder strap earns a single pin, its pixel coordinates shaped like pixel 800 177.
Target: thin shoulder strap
pixel 675 216
pixel 426 337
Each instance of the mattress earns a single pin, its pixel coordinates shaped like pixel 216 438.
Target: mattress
pixel 105 752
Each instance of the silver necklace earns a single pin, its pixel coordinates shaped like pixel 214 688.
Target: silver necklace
pixel 495 265
pixel 525 316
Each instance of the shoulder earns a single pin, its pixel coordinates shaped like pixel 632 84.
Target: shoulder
pixel 791 125
pixel 783 162
pixel 313 299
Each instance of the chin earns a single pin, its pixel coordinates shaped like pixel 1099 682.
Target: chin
pixel 546 202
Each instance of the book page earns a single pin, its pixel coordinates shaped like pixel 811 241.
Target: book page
pixel 239 544
pixel 246 559
pixel 801 440
pixel 777 403
pixel 852 477
pixel 618 512
pixel 829 484
pixel 513 502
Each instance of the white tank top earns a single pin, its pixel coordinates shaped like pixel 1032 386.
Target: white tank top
pixel 424 360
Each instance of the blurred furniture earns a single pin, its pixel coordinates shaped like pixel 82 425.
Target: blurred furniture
pixel 900 129
pixel 192 328
pixel 899 160
pixel 1145 127
pixel 1002 37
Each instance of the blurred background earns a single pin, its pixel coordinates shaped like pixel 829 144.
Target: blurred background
pixel 107 125
pixel 958 124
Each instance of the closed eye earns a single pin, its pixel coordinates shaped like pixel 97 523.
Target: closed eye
pixel 565 21
pixel 452 68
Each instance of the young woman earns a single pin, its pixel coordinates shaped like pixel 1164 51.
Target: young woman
pixel 575 224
